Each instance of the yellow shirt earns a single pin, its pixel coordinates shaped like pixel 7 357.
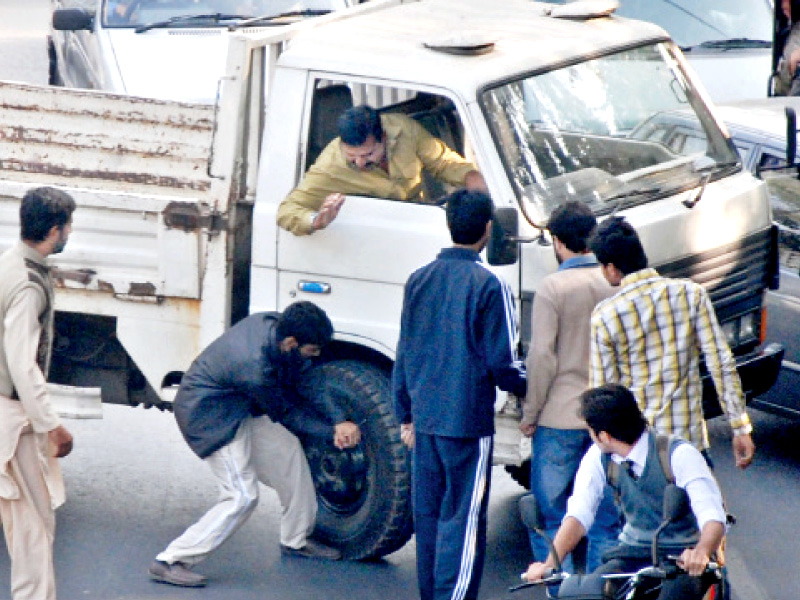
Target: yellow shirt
pixel 649 338
pixel 409 149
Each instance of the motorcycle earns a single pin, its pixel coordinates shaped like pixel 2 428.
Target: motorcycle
pixel 643 584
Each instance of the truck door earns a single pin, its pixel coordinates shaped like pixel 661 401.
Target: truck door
pixel 357 267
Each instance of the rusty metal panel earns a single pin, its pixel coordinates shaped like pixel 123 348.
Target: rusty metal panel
pixel 120 245
pixel 94 140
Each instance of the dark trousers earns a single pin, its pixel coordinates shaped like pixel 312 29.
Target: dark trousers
pixel 451 493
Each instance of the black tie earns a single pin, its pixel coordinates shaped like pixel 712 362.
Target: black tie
pixel 628 464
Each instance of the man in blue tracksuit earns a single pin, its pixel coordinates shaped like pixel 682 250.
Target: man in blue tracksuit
pixel 457 343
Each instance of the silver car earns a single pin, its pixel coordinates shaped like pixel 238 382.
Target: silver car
pixel 169 49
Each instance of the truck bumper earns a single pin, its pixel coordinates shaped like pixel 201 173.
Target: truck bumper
pixel 758 371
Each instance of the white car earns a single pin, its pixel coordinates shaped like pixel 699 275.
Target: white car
pixel 169 49
pixel 727 42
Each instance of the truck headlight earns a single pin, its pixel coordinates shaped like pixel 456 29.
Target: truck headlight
pixel 730 329
pixel 747 327
pixel 742 329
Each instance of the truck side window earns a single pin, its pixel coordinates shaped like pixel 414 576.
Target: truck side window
pixel 437 114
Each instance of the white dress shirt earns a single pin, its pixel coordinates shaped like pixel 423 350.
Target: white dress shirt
pixel 691 473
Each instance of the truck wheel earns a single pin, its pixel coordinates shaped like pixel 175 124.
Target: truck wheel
pixel 364 493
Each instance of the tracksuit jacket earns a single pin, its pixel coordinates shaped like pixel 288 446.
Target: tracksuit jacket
pixel 457 342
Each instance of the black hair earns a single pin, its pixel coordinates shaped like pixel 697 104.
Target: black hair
pixel 616 242
pixel 573 224
pixel 358 123
pixel 612 408
pixel 42 209
pixel 468 212
pixel 305 322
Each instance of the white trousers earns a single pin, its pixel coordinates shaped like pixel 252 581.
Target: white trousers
pixel 262 451
pixel 29 523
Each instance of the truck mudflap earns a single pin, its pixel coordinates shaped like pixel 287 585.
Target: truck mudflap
pixel 758 371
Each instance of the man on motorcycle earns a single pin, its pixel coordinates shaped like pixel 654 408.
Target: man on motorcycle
pixel 620 434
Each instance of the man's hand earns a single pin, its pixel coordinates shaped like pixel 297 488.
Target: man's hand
pixel 743 450
pixel 536 572
pixel 693 561
pixel 527 429
pixel 794 59
pixel 328 211
pixel 407 434
pixel 61 439
pixel 346 435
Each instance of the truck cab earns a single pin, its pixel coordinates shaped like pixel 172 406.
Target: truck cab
pixel 175 236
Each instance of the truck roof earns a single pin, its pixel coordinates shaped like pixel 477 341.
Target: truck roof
pixel 391 42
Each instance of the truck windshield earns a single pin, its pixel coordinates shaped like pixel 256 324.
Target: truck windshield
pixel 606 132
pixel 201 13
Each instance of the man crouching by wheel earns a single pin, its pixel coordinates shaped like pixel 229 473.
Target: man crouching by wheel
pixel 237 407
pixel 621 436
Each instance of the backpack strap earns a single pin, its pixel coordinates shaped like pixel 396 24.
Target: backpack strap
pixel 664 445
pixel 612 475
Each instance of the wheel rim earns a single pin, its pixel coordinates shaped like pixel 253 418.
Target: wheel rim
pixel 340 477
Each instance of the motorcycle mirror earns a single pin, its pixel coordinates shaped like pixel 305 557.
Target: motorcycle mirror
pixel 532 518
pixel 791 135
pixel 676 503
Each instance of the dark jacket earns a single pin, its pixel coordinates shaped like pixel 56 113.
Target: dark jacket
pixel 457 342
pixel 243 374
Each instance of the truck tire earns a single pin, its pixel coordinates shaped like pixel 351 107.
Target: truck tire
pixel 364 494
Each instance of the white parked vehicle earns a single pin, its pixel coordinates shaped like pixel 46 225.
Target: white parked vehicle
pixel 175 236
pixel 160 48
pixel 727 42
pixel 758 129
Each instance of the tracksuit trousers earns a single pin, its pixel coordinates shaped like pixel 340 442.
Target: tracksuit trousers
pixel 451 495
pixel 262 451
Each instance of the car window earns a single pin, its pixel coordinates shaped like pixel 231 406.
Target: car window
pixel 135 13
pixel 88 5
pixel 784 194
pixel 437 114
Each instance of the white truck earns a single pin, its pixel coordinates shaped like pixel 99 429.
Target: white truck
pixel 175 235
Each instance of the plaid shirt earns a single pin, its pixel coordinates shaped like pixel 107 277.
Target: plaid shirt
pixel 648 337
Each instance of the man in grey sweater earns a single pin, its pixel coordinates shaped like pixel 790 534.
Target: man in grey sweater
pixel 557 364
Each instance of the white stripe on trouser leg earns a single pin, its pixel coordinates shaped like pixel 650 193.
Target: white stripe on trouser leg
pixel 471 534
pixel 236 478
pixel 280 463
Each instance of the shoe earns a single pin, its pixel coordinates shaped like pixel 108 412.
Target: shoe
pixel 312 549
pixel 176 574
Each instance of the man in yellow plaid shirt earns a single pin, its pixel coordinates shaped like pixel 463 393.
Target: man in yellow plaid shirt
pixel 649 337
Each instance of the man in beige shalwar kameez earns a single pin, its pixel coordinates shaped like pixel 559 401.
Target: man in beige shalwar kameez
pixel 31 434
